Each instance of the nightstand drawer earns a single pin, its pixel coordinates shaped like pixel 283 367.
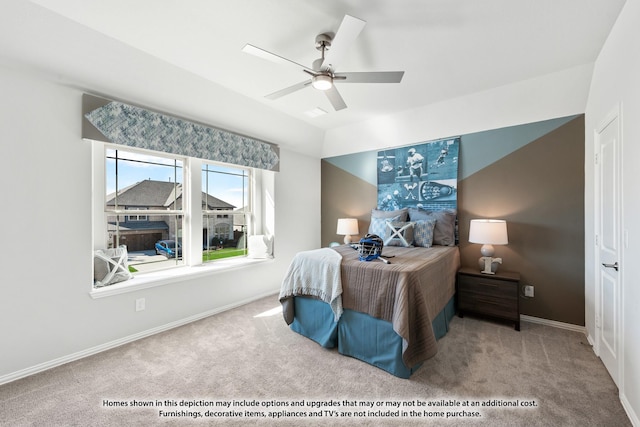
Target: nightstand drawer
pixel 492 306
pixel 487 286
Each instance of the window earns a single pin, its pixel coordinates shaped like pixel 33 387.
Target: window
pixel 143 207
pixel 225 207
pixel 136 217
pixel 154 204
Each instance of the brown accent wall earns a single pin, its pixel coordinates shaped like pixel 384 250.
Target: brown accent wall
pixel 538 189
pixel 344 196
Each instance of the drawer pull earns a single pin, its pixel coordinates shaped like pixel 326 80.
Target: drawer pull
pixel 492 285
pixel 484 301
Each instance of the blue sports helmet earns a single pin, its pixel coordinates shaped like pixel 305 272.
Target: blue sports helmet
pixel 370 247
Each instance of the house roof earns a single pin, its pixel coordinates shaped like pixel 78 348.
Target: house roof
pixel 159 194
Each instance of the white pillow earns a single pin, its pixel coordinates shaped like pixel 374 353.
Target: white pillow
pixel 260 246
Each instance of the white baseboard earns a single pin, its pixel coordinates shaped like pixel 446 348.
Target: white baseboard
pixel 553 323
pixel 125 340
pixel 633 417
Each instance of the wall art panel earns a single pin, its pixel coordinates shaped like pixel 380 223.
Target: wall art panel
pixel 423 175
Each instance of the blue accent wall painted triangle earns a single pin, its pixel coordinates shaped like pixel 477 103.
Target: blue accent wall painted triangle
pixel 481 149
pixel 477 151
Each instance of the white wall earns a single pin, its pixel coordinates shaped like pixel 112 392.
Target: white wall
pixel 46 313
pixel 616 81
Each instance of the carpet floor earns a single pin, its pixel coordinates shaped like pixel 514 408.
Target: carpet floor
pixel 246 367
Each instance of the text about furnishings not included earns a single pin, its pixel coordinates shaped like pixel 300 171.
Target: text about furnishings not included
pixel 311 408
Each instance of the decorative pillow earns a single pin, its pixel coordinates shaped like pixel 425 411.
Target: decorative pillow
pixel 110 266
pixel 260 246
pixel 399 234
pixel 423 232
pixel 379 220
pixel 444 232
pixel 378 226
pixel 378 213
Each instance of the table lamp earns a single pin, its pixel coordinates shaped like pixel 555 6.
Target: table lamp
pixel 347 227
pixel 488 232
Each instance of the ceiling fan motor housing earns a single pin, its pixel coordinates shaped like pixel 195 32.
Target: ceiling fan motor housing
pixel 317 65
pixel 323 41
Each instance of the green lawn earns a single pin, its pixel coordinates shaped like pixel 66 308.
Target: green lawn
pixel 222 253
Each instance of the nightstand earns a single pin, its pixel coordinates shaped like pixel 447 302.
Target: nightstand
pixel 495 295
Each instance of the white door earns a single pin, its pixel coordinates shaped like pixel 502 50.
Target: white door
pixel 608 283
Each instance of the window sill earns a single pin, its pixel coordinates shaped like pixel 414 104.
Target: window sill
pixel 174 275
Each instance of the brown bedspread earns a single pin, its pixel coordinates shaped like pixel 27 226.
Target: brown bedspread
pixel 409 292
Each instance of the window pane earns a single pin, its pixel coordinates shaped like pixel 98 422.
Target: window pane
pixel 152 245
pixel 138 183
pixel 222 239
pixel 155 178
pixel 227 187
pixel 225 190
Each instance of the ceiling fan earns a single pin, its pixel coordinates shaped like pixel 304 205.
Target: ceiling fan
pixel 322 72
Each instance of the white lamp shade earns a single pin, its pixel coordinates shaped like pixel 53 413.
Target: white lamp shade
pixel 347 226
pixel 488 231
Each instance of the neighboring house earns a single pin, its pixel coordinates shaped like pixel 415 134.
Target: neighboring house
pixel 140 232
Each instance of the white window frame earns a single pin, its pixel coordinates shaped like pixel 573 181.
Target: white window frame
pixel 260 220
pixel 243 210
pixel 127 212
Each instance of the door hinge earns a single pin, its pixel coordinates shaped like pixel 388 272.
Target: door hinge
pixel 596 240
pixel 596 158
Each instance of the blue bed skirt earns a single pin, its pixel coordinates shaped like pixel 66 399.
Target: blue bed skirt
pixel 359 335
pixel 314 319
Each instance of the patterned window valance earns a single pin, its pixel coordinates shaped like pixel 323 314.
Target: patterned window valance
pixel 118 123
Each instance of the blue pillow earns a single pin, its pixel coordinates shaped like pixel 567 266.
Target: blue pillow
pixel 423 232
pixel 378 226
pixel 444 232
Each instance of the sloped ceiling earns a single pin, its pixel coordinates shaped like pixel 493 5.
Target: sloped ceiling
pixel 447 48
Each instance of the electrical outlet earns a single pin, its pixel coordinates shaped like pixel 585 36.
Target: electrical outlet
pixel 528 291
pixel 140 304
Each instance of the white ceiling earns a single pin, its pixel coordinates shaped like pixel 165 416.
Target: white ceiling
pixel 447 48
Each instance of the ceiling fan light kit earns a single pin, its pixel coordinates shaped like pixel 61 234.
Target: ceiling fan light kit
pixel 322 72
pixel 322 82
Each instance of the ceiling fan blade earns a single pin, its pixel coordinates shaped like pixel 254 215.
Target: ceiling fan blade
pixel 348 31
pixel 371 77
pixel 261 53
pixel 335 98
pixel 288 90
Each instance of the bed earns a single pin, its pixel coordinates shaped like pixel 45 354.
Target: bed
pixel 388 315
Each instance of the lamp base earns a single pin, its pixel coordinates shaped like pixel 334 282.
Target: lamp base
pixel 489 265
pixel 347 239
